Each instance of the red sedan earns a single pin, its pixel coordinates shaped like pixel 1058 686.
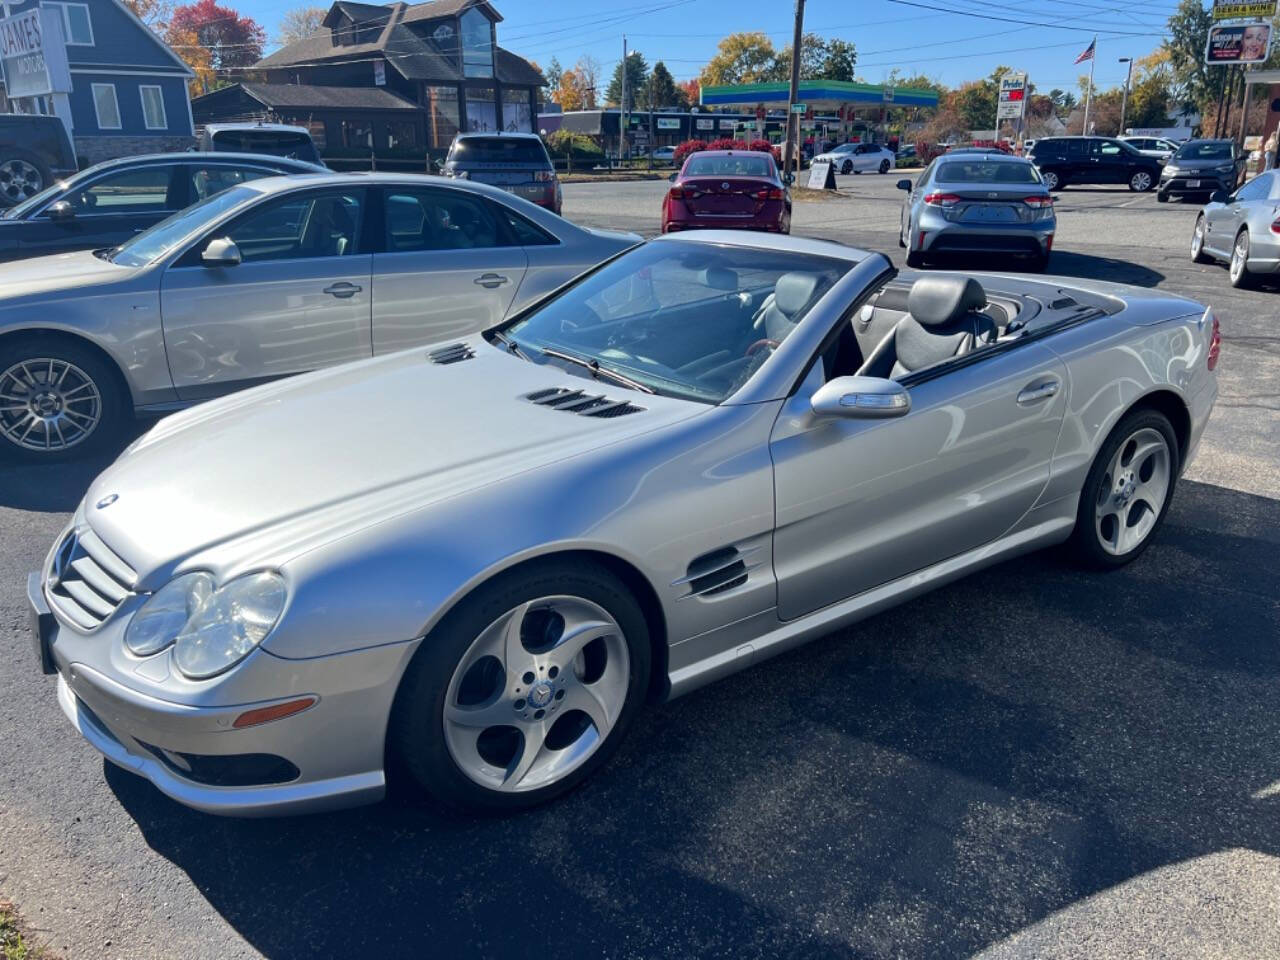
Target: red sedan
pixel 727 189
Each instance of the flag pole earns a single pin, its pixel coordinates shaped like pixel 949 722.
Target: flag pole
pixel 1088 94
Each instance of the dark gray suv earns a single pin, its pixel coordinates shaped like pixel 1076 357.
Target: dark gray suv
pixel 34 151
pixel 516 162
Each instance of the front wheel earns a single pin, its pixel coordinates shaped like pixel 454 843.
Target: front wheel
pixel 58 399
pixel 1162 197
pixel 1141 182
pixel 847 168
pixel 1197 241
pixel 1128 490
pixel 1238 269
pixel 884 166
pixel 524 690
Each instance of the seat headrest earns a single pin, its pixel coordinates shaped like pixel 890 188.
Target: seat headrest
pixel 793 291
pixel 938 301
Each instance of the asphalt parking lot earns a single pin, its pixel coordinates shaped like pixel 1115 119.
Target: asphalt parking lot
pixel 1033 762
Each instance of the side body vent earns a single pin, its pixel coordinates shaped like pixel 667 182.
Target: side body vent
pixel 582 403
pixel 718 571
pixel 451 354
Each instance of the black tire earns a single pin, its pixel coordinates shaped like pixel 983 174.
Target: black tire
pixel 884 166
pixel 1162 197
pixel 9 154
pixel 1039 263
pixel 114 406
pixel 847 168
pixel 415 738
pixel 1053 179
pixel 1141 181
pixel 1199 256
pixel 1242 279
pixel 915 259
pixel 1085 543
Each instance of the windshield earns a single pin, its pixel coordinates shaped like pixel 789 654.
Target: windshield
pixel 275 143
pixel 1204 151
pixel 738 165
pixel 987 171
pixel 167 234
pixel 498 150
pixel 684 319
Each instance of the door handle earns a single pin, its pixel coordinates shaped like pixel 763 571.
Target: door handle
pixel 491 280
pixel 342 290
pixel 1036 392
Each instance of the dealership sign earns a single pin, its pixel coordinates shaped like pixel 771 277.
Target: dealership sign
pixel 668 123
pixel 33 55
pixel 1238 43
pixel 1013 96
pixel 706 123
pixel 1229 10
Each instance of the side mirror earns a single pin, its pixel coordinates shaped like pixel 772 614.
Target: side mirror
pixel 861 398
pixel 673 176
pixel 61 212
pixel 221 252
pixel 1220 196
pixel 905 184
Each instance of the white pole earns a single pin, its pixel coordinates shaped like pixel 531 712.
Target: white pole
pixel 1088 94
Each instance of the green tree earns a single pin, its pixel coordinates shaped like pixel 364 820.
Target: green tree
pixel 813 53
pixel 662 91
pixel 553 73
pixel 637 80
pixel 839 61
pixel 740 58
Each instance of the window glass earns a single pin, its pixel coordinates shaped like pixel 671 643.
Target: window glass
pixel 517 114
pixel 144 190
pixel 1255 189
pixel 1109 148
pixel 75 22
pixel 1205 150
pixel 525 233
pixel 442 116
pixel 439 220
pixel 106 107
pixel 309 225
pixel 277 143
pixel 477 44
pixel 207 179
pixel 499 150
pixel 159 240
pixel 357 133
pixel 153 107
pixel 738 165
pixel 482 110
pixel 402 135
pixel 987 171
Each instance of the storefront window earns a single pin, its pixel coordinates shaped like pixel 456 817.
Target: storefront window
pixel 357 133
pixel 477 44
pixel 442 115
pixel 401 134
pixel 517 115
pixel 482 110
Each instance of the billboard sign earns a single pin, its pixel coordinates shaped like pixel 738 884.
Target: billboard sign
pixel 668 123
pixel 33 54
pixel 1232 10
pixel 705 123
pixel 1238 43
pixel 1013 96
pixel 728 124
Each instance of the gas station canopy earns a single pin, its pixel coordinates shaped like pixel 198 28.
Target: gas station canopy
pixel 822 96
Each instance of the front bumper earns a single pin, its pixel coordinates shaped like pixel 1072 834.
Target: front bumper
pixel 1206 182
pixel 180 735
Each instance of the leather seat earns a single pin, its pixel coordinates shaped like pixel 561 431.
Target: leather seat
pixel 791 294
pixel 942 321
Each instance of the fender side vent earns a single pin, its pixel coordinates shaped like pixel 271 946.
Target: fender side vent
pixel 451 354
pixel 717 571
pixel 582 403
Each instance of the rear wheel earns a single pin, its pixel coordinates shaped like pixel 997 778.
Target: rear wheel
pixel 1052 179
pixel 22 175
pixel 58 400
pixel 915 259
pixel 1128 490
pixel 884 166
pixel 1239 266
pixel 847 168
pixel 524 690
pixel 1197 241
pixel 1141 182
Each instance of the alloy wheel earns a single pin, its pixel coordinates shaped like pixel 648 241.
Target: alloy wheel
pixel 1140 182
pixel 1133 491
pixel 536 694
pixel 47 404
pixel 1197 239
pixel 1050 179
pixel 1239 258
pixel 19 180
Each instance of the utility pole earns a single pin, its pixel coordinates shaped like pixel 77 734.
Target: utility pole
pixel 1088 94
pixel 1124 99
pixel 622 109
pixel 791 148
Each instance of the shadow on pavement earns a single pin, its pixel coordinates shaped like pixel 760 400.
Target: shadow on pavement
pixel 926 783
pixel 58 487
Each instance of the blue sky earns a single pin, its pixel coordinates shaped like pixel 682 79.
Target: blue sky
pixel 1044 37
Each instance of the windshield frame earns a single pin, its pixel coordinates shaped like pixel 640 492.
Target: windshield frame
pixel 1179 155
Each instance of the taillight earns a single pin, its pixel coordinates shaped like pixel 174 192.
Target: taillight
pixel 1038 201
pixel 1275 226
pixel 676 193
pixel 941 199
pixel 543 176
pixel 1215 345
pixel 769 194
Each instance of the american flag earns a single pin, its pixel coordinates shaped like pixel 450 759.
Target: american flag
pixel 1088 53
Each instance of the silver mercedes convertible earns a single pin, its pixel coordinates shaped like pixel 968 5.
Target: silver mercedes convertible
pixel 475 561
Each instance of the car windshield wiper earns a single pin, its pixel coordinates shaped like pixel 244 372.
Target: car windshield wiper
pixel 597 371
pixel 511 345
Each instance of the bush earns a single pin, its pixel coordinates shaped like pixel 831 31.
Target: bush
pixel 560 142
pixel 686 148
pixel 760 146
pixel 725 143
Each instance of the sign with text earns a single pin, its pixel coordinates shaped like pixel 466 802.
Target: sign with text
pixel 33 54
pixel 1238 43
pixel 821 176
pixel 668 123
pixel 728 124
pixel 705 123
pixel 1231 10
pixel 799 107
pixel 1013 96
pixel 887 93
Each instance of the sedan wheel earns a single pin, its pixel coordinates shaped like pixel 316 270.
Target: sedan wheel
pixel 1127 491
pixel 19 179
pixel 1197 241
pixel 1239 267
pixel 504 709
pixel 1141 182
pixel 884 166
pixel 847 168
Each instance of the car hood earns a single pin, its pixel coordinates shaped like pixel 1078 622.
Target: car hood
pixel 61 272
pixel 1198 164
pixel 259 477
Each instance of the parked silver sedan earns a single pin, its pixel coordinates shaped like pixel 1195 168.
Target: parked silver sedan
pixel 1242 228
pixel 479 559
pixel 266 279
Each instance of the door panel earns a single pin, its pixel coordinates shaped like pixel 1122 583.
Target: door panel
pixel 863 502
pixel 450 268
pixel 301 298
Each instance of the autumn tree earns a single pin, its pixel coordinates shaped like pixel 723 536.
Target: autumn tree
pixel 229 41
pixel 300 23
pixel 740 58
pixel 153 13
pixel 692 91
pixel 575 91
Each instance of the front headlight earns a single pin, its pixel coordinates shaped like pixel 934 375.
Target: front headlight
pixel 1170 169
pixel 211 629
pixel 1225 168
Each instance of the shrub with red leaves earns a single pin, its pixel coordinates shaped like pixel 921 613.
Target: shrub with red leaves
pixel 686 148
pixel 725 143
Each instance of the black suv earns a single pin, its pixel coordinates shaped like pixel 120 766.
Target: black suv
pixel 1202 167
pixel 1064 160
pixel 34 151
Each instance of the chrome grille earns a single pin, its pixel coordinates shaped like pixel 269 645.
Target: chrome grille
pixel 86 581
